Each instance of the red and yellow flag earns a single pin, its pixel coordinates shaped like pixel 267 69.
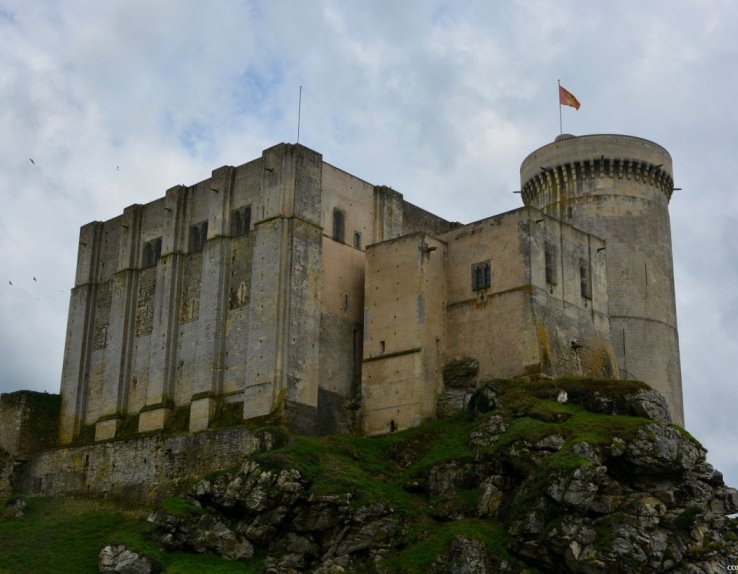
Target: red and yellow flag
pixel 566 98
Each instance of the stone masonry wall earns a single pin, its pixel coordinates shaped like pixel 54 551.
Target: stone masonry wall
pixel 139 470
pixel 28 422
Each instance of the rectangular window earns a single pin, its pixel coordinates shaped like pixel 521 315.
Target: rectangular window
pixel 198 236
pixel 551 267
pixel 151 253
pixel 584 279
pixel 240 221
pixel 481 275
pixel 357 240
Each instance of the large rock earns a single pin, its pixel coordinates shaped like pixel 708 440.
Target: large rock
pixel 119 559
pixel 461 373
pixel 662 449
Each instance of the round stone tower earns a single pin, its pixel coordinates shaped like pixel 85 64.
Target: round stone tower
pixel 618 188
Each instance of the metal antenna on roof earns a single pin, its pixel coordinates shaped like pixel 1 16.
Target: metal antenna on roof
pixel 299 110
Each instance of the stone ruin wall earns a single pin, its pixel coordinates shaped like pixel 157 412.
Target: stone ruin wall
pixel 137 471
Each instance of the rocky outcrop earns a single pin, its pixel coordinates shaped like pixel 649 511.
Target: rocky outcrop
pixel 301 532
pixel 15 507
pixel 119 559
pixel 460 381
pixel 554 477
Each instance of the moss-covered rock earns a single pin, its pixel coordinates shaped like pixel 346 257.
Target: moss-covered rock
pixel 573 471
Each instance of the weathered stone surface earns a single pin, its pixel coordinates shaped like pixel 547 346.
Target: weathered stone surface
pixel 452 401
pixel 488 432
pixel 643 502
pixel 15 507
pixel 7 465
pixel 119 559
pixel 661 448
pixel 649 404
pixel 466 556
pixel 273 509
pixel 140 470
pixel 461 373
pixel 485 399
pixel 578 487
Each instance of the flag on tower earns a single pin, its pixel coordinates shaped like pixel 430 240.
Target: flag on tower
pixel 566 98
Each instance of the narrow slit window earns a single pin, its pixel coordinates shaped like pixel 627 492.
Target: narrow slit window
pixel 551 268
pixel 338 225
pixel 584 279
pixel 357 240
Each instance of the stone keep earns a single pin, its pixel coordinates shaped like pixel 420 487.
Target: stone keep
pixel 245 289
pixel 618 188
pixel 286 284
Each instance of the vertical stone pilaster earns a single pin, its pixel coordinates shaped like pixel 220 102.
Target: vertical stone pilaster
pixel 163 355
pixel 213 304
pixel 79 331
pixel 120 331
pixel 281 366
pixel 388 213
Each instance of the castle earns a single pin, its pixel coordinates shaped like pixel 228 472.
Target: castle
pixel 288 284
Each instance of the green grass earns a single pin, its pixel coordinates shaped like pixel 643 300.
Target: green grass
pixel 417 556
pixel 65 536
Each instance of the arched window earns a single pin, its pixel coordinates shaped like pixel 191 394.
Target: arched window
pixel 240 221
pixel 151 253
pixel 198 235
pixel 338 225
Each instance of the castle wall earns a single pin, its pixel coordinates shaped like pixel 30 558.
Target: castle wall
pixel 404 338
pixel 570 299
pixel 492 324
pixel 136 471
pixel 28 422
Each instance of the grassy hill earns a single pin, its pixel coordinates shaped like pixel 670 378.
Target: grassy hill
pixel 518 436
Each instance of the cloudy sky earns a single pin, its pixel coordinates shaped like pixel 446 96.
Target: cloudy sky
pixel 116 101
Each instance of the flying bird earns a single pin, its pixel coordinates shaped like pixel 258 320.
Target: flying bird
pixel 11 283
pixel 33 162
pixel 34 279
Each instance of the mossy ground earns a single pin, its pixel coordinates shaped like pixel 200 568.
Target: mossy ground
pixel 65 531
pixel 65 535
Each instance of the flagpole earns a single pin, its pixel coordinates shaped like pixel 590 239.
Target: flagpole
pixel 561 123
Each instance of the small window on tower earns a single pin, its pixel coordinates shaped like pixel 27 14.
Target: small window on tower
pixel 584 279
pixel 550 254
pixel 481 275
pixel 357 240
